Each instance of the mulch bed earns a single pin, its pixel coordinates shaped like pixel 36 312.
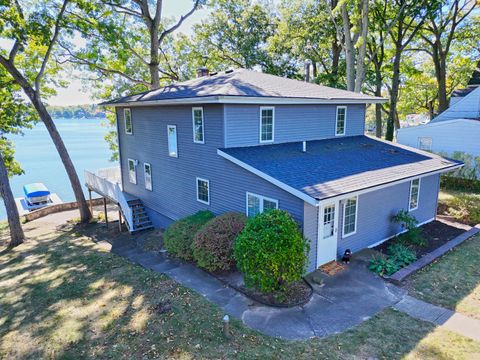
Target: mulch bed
pixel 436 233
pixel 298 293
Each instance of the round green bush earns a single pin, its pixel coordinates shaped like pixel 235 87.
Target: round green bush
pixel 270 251
pixel 213 243
pixel 178 237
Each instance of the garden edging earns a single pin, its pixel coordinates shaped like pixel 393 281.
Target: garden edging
pixel 403 273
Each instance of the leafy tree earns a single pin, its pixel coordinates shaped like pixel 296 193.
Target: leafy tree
pixel 448 21
pixel 34 29
pixel 14 115
pixel 236 34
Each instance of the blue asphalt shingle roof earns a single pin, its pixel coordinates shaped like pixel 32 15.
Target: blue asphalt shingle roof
pixel 338 166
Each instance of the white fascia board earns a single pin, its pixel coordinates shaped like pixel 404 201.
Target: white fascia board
pixel 386 185
pixel 247 100
pixel 269 178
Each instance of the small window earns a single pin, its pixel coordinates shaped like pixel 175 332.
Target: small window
pixel 147 171
pixel 341 120
pixel 172 140
pixel 350 216
pixel 414 194
pixel 425 143
pixel 198 125
pixel 127 115
pixel 132 171
pixel 203 191
pixel 267 124
pixel 257 204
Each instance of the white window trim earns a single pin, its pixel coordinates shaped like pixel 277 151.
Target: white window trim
pixel 344 121
pixel 168 140
pixel 208 185
pixel 261 201
pixel 125 121
pixel 203 125
pixel 260 125
pixel 145 176
pixel 410 194
pixel 135 170
pixel 343 217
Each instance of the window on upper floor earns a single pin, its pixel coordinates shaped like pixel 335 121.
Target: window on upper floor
pixel 267 124
pixel 414 194
pixel 147 172
pixel 341 120
pixel 350 216
pixel 172 140
pixel 198 125
pixel 127 115
pixel 203 191
pixel 132 171
pixel 425 143
pixel 257 204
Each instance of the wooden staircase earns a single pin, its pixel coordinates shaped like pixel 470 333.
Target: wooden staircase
pixel 141 220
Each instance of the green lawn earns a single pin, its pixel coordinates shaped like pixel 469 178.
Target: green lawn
pixel 463 206
pixel 64 296
pixel 453 281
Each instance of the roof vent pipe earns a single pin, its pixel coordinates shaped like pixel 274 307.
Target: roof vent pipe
pixel 304 147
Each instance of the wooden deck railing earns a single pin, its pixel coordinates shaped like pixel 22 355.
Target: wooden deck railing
pixel 106 183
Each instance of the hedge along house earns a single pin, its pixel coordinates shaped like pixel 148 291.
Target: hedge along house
pixel 247 142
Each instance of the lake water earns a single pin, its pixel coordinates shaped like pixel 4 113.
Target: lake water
pixel 84 139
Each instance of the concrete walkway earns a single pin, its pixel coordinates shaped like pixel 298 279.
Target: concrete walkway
pixel 337 304
pixel 437 315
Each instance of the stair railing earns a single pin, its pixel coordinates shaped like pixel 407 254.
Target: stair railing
pixel 126 209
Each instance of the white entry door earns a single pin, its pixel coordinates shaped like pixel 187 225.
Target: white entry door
pixel 327 233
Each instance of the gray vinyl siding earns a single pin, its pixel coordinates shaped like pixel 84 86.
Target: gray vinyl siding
pixel 174 179
pixel 376 209
pixel 292 123
pixel 310 231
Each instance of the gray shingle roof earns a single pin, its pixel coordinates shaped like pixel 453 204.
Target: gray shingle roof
pixel 339 166
pixel 244 83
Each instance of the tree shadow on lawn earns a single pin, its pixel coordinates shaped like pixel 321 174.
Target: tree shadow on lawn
pixel 452 281
pixel 63 296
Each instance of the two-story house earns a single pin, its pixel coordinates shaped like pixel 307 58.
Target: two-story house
pixel 246 141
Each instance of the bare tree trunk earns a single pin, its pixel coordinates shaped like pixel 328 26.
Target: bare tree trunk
pixel 362 51
pixel 17 236
pixel 378 107
pixel 441 74
pixel 85 214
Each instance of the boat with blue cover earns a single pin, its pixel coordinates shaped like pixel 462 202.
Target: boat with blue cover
pixel 36 194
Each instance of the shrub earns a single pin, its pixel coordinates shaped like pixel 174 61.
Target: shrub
pixel 413 236
pixel 464 207
pixel 402 255
pixel 398 257
pixel 213 244
pixel 270 251
pixel 383 266
pixel 179 236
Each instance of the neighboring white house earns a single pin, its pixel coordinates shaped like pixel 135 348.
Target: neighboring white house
pixel 455 129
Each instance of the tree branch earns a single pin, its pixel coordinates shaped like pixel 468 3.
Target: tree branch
pixel 51 45
pixel 179 23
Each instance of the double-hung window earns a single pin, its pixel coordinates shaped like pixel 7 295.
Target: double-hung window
pixel 198 125
pixel 172 140
pixel 203 191
pixel 132 171
pixel 350 216
pixel 267 124
pixel 147 172
pixel 414 194
pixel 341 120
pixel 127 116
pixel 257 204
